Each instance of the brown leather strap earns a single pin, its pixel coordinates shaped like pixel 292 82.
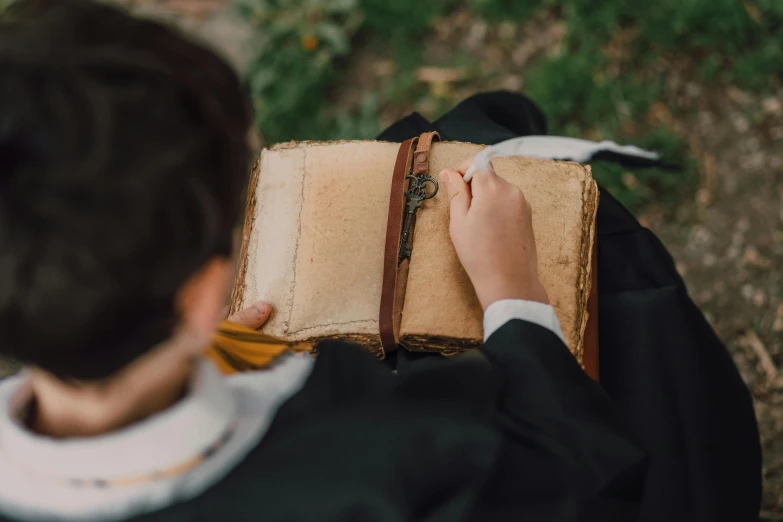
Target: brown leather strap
pixel 395 273
pixel 421 159
pixel 387 320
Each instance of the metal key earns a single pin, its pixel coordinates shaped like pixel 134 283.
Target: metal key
pixel 416 193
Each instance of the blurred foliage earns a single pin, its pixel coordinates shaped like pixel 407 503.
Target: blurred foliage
pixel 402 18
pixel 639 187
pixel 599 84
pixel 502 10
pixel 298 43
pixel 736 36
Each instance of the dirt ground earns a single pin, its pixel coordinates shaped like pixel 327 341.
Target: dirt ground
pixel 728 245
pixel 727 240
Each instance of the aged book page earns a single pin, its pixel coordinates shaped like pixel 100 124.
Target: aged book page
pixel 316 241
pixel 440 304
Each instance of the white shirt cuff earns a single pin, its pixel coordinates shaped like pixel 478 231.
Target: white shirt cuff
pixel 501 312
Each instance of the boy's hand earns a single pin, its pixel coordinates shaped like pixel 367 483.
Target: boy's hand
pixel 253 316
pixel 491 227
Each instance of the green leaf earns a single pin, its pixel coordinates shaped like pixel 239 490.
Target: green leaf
pixel 341 6
pixel 262 78
pixel 334 37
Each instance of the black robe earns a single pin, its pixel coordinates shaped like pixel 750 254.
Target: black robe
pixel 515 432
pixel 660 360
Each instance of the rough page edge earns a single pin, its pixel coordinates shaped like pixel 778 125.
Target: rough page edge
pixel 371 343
pixel 585 279
pixel 442 345
pixel 236 302
pixel 315 143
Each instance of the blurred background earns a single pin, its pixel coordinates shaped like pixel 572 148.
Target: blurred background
pixel 698 80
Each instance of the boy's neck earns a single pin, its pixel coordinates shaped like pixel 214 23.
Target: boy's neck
pixel 149 385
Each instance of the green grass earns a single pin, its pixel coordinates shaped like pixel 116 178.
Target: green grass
pixel 4 4
pixel 738 42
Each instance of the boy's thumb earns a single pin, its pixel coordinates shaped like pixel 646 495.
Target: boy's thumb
pixel 458 192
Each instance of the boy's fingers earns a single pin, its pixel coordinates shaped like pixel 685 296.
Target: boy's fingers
pixel 482 184
pixel 253 316
pixel 458 192
pixel 469 171
pixel 463 167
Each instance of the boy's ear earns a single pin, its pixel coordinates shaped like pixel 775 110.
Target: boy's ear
pixel 202 298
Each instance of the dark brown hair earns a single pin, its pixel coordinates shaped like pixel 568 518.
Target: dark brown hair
pixel 123 156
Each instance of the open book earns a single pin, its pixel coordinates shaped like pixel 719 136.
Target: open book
pixel 315 231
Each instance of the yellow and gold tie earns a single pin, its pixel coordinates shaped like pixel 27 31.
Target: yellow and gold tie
pixel 236 348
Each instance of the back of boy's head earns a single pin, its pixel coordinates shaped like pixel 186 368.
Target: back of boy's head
pixel 123 157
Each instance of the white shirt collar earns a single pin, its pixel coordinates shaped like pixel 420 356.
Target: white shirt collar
pixel 158 443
